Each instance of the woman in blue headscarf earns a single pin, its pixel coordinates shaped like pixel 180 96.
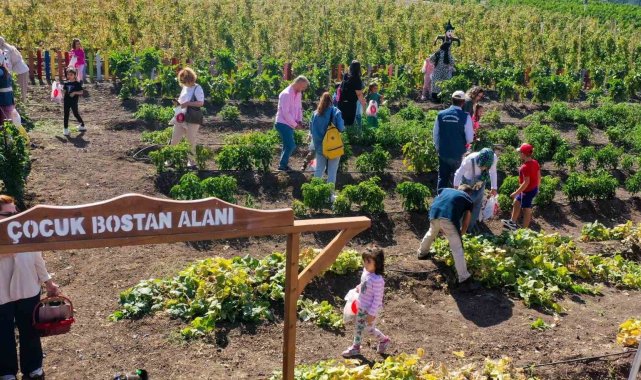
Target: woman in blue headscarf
pixel 477 170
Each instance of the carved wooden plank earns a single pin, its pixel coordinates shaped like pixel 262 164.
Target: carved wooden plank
pixel 133 219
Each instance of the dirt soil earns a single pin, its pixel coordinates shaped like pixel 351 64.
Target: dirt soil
pixel 420 309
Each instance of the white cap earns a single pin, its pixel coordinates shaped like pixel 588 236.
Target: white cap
pixel 460 95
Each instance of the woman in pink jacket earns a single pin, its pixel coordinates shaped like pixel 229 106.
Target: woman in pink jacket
pixel 289 117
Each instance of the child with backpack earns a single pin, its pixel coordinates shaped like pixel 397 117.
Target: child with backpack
pixel 374 101
pixel 529 180
pixel 327 119
pixel 370 301
pixel 72 90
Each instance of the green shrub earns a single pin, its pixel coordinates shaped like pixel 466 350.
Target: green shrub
pixel 397 133
pixel 154 114
pixel 560 113
pixel 562 156
pixel 617 90
pixel 608 157
pixel 508 136
pixel 633 183
pixel 367 194
pixel 162 137
pixel 203 154
pixel 376 161
pixel 317 194
pixel 384 114
pixel 414 195
pixel 596 185
pixel 174 155
pixel 546 141
pixel 458 82
pixel 507 90
pixel 342 205
pixel 188 188
pixel 412 112
pixel 229 113
pixel 627 162
pixel 234 157
pixel 299 208
pixel 419 155
pixel 509 185
pixel 222 187
pixel 583 134
pixel 509 162
pixel 505 203
pixel 547 189
pixel 492 118
pixel 15 164
pixel 586 156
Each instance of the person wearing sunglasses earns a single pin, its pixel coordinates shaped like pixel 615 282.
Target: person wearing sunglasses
pixel 21 277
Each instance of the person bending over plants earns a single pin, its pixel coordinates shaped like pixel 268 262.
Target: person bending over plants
pixel 289 117
pixel 449 208
pixel 529 180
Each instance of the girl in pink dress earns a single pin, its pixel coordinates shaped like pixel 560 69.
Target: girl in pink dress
pixel 79 54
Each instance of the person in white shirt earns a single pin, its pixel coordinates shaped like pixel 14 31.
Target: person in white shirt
pixel 21 276
pixel 476 170
pixel 191 96
pixel 18 66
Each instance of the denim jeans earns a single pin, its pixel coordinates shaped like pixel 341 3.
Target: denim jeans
pixel 332 167
pixel 477 198
pixel 446 169
pixel 289 145
pixel 18 314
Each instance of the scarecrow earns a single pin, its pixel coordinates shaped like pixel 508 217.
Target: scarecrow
pixel 442 60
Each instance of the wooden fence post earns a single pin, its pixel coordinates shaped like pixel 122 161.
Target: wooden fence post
pixel 32 67
pixel 39 65
pixel 61 65
pixel 340 72
pixel 47 66
pixel 291 299
pixel 98 67
pixel 390 70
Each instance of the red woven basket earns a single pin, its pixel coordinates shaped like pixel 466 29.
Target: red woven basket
pixel 53 327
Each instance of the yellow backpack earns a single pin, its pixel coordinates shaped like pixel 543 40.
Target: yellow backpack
pixel 332 142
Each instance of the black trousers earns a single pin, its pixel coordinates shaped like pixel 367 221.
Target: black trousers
pixel 72 104
pixel 18 314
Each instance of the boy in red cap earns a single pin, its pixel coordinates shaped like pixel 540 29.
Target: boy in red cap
pixel 529 180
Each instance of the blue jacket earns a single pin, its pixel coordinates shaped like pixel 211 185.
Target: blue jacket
pixel 319 125
pixel 452 131
pixel 451 204
pixel 6 88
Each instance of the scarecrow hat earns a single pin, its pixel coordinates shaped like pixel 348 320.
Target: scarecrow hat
pixel 448 26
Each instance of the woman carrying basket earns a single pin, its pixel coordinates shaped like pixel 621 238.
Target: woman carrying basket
pixel 21 276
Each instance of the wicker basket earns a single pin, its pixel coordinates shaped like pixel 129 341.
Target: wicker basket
pixel 53 319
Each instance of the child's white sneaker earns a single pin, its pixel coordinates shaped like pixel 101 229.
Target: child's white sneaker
pixel 66 132
pixel 82 128
pixel 353 350
pixel 382 345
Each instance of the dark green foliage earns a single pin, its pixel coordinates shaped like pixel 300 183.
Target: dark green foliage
pixel 596 185
pixel 583 134
pixel 175 156
pixel 15 164
pixel 508 136
pixel 367 194
pixel 414 195
pixel 546 141
pixel 509 185
pixel 547 189
pixel 586 156
pixel 222 187
pixel 317 194
pixel 154 115
pixel 412 112
pixel 509 162
pixel 376 161
pixel 608 157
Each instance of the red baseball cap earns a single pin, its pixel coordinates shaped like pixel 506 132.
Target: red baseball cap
pixel 526 149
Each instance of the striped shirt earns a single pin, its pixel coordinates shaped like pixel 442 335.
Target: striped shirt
pixel 370 296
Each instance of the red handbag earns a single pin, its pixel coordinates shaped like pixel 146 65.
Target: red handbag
pixel 54 316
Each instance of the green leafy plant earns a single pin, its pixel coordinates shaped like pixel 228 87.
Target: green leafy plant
pixel 229 113
pixel 162 137
pixel 597 185
pixel 342 204
pixel 203 154
pixel 376 161
pixel 509 161
pixel 633 183
pixel 505 203
pixel 317 194
pixel 154 115
pixel 492 118
pixel 367 194
pixel 419 155
pixel 547 190
pixel 583 134
pixel 607 157
pixel 323 314
pixel 562 156
pixel 222 187
pixel 508 136
pixel 627 162
pixel 234 157
pixel 189 187
pixel 15 164
pixel 546 141
pixel 175 156
pixel 411 112
pixel 509 185
pixel 540 325
pixel 299 208
pixel 414 195
pixel 585 156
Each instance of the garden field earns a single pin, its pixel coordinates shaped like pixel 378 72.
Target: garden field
pixel 423 309
pixel 562 75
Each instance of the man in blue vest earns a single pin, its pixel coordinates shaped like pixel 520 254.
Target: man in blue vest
pixel 453 130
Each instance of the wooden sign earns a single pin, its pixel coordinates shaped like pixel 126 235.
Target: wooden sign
pixel 133 219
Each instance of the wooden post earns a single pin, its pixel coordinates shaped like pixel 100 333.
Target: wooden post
pixel 61 65
pixel 340 73
pixel 39 65
pixel 32 67
pixel 67 59
pixel 291 299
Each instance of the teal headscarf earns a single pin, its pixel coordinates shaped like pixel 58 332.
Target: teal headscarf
pixel 485 158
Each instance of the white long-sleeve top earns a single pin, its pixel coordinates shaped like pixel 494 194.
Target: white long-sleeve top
pixel 469 168
pixel 21 276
